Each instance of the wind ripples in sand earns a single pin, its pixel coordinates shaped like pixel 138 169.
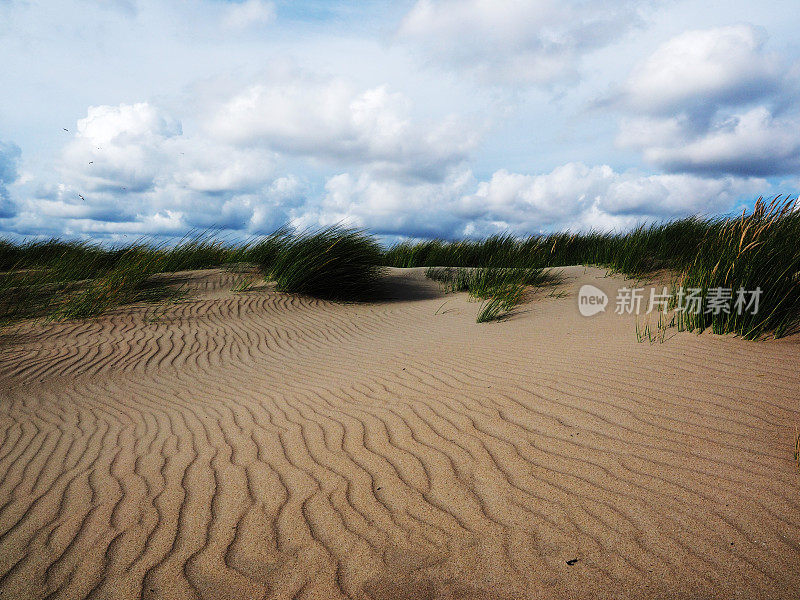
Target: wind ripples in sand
pixel 260 445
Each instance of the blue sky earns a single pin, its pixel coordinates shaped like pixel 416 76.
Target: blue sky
pixel 126 118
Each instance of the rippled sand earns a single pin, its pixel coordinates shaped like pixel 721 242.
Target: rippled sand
pixel 260 445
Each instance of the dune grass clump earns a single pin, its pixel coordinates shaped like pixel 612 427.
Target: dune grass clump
pixel 654 334
pixel 332 263
pixel 199 251
pixel 68 279
pixel 39 275
pixel 128 281
pixel 75 279
pixel 500 289
pixel 69 259
pixel 264 251
pixel 797 448
pixel 494 251
pixel 481 282
pixel 501 302
pixel 757 252
pixel 637 253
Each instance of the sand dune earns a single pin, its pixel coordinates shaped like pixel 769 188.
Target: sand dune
pixel 260 445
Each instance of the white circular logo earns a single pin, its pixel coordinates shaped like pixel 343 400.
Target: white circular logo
pixel 591 300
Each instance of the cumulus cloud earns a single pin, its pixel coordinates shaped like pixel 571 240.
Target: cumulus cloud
pixel 330 120
pixel 703 70
pixel 120 147
pixel 391 206
pixel 9 158
pixel 753 142
pixel 513 41
pixel 572 196
pixel 131 168
pixel 132 165
pixel 576 196
pixel 714 102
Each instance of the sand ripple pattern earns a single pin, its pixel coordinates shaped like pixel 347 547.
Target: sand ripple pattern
pixel 261 445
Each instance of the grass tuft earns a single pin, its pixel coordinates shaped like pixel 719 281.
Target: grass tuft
pixel 755 250
pixel 128 281
pixel 333 263
pixel 500 289
pixel 65 280
pixel 758 250
pixel 657 335
pixel 797 447
pixel 501 302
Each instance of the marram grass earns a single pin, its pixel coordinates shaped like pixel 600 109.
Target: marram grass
pixel 64 280
pixel 759 249
pixel 500 289
pixel 333 263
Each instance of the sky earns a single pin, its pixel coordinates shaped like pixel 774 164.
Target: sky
pixel 413 119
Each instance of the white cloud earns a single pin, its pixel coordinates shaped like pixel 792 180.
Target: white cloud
pixel 318 119
pixel 701 70
pixel 546 199
pixel 131 168
pixel 516 41
pixel 132 164
pixel 572 196
pixel 576 196
pixel 387 205
pixel 330 120
pixel 670 196
pixel 119 147
pixel 248 14
pixel 126 124
pixel 714 102
pixel 750 143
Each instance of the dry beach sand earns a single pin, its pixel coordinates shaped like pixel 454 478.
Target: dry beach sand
pixel 259 445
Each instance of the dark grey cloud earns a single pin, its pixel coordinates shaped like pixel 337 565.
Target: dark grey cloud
pixel 714 102
pixel 9 160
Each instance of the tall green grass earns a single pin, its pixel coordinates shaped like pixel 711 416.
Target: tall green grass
pixel 638 252
pixel 129 280
pixel 480 282
pixel 495 251
pixel 759 250
pixel 67 279
pixel 333 263
pixel 500 289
